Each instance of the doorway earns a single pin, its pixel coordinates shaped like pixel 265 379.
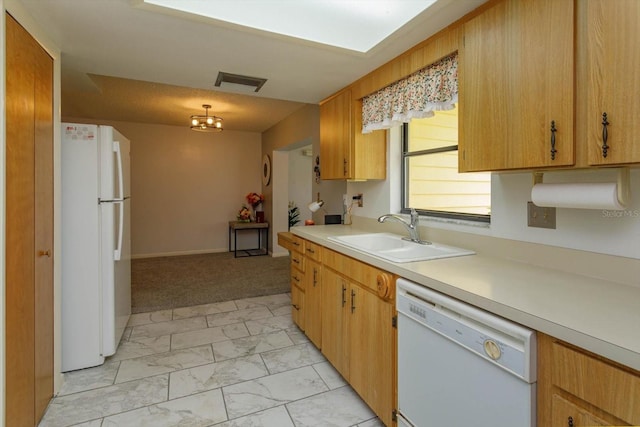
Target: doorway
pixel 300 181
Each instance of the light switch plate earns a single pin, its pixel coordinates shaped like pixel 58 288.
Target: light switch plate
pixel 541 217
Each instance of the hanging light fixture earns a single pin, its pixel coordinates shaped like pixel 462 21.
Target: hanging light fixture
pixel 206 123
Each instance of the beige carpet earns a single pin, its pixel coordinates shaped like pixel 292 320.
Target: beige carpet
pixel 182 281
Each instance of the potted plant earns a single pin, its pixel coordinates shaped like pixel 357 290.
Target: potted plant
pixel 294 214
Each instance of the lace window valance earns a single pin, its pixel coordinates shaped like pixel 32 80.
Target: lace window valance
pixel 417 96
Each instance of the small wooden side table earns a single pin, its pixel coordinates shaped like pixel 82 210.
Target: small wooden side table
pixel 260 227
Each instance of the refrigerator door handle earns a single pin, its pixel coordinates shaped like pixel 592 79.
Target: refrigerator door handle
pixel 116 149
pixel 117 252
pixel 120 201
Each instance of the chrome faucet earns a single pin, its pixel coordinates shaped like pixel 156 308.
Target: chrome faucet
pixel 412 227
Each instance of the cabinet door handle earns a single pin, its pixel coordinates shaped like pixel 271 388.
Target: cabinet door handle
pixel 605 135
pixel 570 422
pixel 311 251
pixel 296 278
pixel 344 294
pixel 46 253
pixel 296 306
pixel 344 166
pixel 553 140
pixel 353 301
pixel 295 260
pixel 315 277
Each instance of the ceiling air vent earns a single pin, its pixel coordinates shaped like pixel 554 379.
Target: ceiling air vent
pixel 234 80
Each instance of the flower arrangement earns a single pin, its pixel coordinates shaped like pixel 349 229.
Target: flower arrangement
pixel 255 199
pixel 244 215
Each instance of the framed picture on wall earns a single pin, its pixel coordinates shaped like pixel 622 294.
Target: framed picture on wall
pixel 266 170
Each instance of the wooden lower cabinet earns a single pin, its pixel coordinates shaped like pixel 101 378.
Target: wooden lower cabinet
pixel 313 302
pixel 306 284
pixel 371 351
pixel 297 289
pixel 295 245
pixel 565 413
pixel 297 306
pixel 358 338
pixel 335 312
pixel 577 388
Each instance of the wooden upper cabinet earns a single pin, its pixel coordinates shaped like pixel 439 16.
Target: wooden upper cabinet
pixel 335 135
pixel 345 153
pixel 613 81
pixel 516 87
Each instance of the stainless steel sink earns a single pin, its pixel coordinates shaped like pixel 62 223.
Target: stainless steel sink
pixel 392 247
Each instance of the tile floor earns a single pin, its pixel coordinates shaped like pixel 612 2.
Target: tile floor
pixel 231 364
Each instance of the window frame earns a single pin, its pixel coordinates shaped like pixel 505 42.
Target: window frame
pixel 404 191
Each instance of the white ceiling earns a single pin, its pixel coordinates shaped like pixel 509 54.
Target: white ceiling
pixel 122 61
pixel 350 24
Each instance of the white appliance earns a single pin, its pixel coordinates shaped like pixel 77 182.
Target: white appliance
pixel 460 366
pixel 96 243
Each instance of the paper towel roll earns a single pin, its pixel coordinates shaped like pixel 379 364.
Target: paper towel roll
pixel 580 195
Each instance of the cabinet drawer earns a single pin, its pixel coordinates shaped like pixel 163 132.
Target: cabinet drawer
pixel 297 261
pixel 313 251
pixel 297 307
pixel 605 386
pixel 290 241
pixel 373 278
pixel 285 239
pixel 298 244
pixel 297 279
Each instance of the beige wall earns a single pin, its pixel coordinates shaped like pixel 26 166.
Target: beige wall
pixel 186 186
pixel 300 129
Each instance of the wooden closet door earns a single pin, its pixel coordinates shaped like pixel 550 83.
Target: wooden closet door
pixel 29 227
pixel 43 231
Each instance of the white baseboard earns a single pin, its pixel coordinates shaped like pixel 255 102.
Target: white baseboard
pixel 279 254
pixel 180 253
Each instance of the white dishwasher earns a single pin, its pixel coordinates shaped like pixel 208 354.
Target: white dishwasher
pixel 460 366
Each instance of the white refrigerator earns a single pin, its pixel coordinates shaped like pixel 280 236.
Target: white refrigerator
pixel 96 243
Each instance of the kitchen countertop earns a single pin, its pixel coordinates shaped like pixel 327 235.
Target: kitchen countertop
pixel 597 315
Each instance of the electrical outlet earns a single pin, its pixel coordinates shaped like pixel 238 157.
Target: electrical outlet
pixel 358 197
pixel 541 217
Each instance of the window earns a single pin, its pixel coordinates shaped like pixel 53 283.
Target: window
pixel 431 182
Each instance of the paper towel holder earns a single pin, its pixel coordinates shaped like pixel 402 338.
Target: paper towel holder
pixel 622 186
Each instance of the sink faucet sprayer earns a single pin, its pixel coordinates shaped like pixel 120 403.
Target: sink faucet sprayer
pixel 412 227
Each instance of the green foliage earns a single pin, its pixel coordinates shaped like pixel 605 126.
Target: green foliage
pixel 294 214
